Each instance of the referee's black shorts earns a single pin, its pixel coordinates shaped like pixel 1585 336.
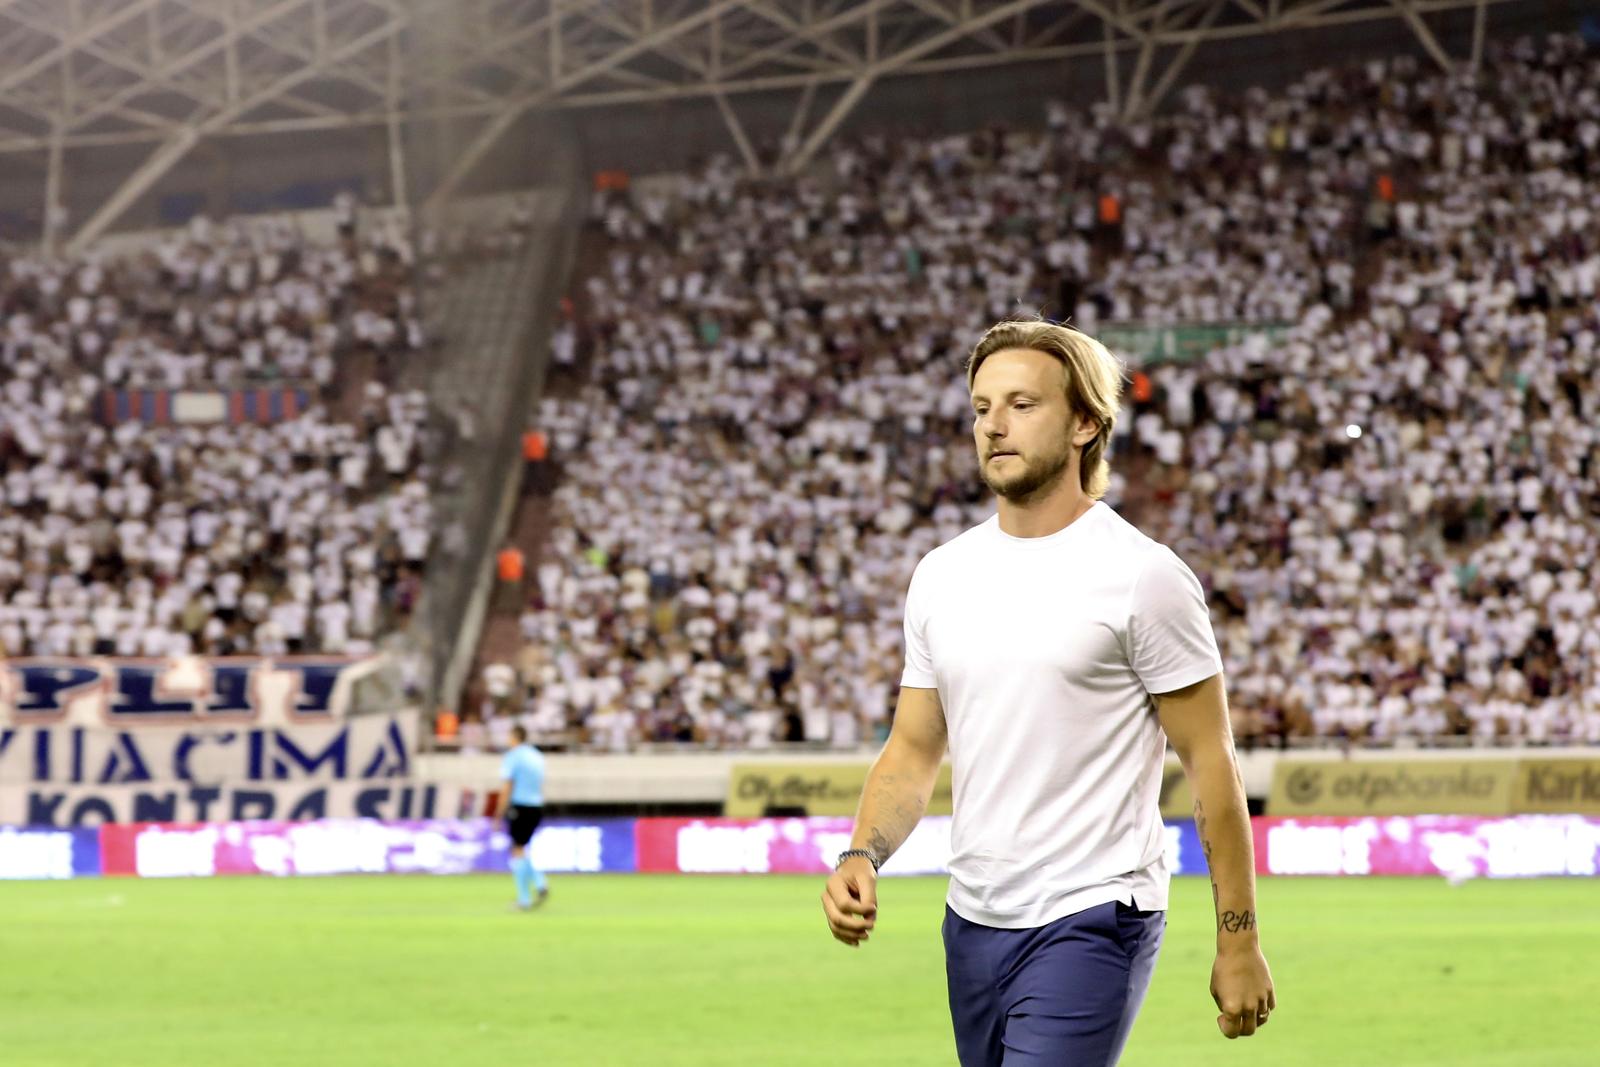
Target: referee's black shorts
pixel 522 821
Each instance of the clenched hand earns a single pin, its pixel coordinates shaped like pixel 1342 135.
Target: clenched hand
pixel 850 901
pixel 1241 985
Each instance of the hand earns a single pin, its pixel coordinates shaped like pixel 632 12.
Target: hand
pixel 1242 987
pixel 850 900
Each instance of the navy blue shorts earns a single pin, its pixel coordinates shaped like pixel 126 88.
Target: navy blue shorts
pixel 1065 994
pixel 522 822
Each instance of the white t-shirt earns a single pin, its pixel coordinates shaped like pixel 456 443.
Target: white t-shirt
pixel 1045 652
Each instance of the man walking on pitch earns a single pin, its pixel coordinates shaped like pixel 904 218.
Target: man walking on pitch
pixel 522 800
pixel 1051 648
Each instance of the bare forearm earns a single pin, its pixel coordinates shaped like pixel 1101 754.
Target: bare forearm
pixel 1195 719
pixel 1223 820
pixel 893 800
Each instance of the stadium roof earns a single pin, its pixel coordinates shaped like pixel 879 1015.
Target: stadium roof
pixel 168 73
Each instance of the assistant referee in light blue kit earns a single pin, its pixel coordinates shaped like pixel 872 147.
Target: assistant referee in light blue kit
pixel 522 799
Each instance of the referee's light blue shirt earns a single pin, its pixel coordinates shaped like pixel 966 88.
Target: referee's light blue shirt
pixel 523 767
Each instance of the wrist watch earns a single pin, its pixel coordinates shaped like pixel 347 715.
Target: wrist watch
pixel 870 856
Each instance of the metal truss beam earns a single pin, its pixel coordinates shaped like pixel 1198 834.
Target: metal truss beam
pixel 168 73
pixel 70 43
pixel 752 162
pixel 864 80
pixel 1141 103
pixel 1479 16
pixel 1425 35
pixel 174 149
pixel 1319 14
pixel 557 80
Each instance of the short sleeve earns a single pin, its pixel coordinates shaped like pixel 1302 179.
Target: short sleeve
pixel 1170 641
pixel 507 767
pixel 918 673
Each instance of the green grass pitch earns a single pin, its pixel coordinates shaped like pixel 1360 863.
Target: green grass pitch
pixel 654 970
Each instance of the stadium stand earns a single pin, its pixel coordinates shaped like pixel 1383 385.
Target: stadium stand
pixel 768 425
pixel 306 533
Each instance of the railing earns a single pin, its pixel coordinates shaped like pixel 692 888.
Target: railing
pixel 490 313
pixel 573 741
pixel 1149 342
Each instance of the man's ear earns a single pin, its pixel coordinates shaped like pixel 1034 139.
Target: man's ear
pixel 1088 429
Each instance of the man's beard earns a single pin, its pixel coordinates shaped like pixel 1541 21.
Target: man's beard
pixel 1037 476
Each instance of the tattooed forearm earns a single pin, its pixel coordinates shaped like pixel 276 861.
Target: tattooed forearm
pixel 888 814
pixel 1205 846
pixel 1224 833
pixel 1235 921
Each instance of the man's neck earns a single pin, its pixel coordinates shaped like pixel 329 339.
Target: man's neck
pixel 1041 518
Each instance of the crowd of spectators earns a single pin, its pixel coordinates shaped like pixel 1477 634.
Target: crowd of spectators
pixel 307 535
pixel 1394 503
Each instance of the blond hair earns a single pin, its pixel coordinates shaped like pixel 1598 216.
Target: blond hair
pixel 1093 379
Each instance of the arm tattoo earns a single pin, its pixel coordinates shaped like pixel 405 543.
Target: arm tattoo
pixel 1205 846
pixel 1232 922
pixel 1235 921
pixel 897 820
